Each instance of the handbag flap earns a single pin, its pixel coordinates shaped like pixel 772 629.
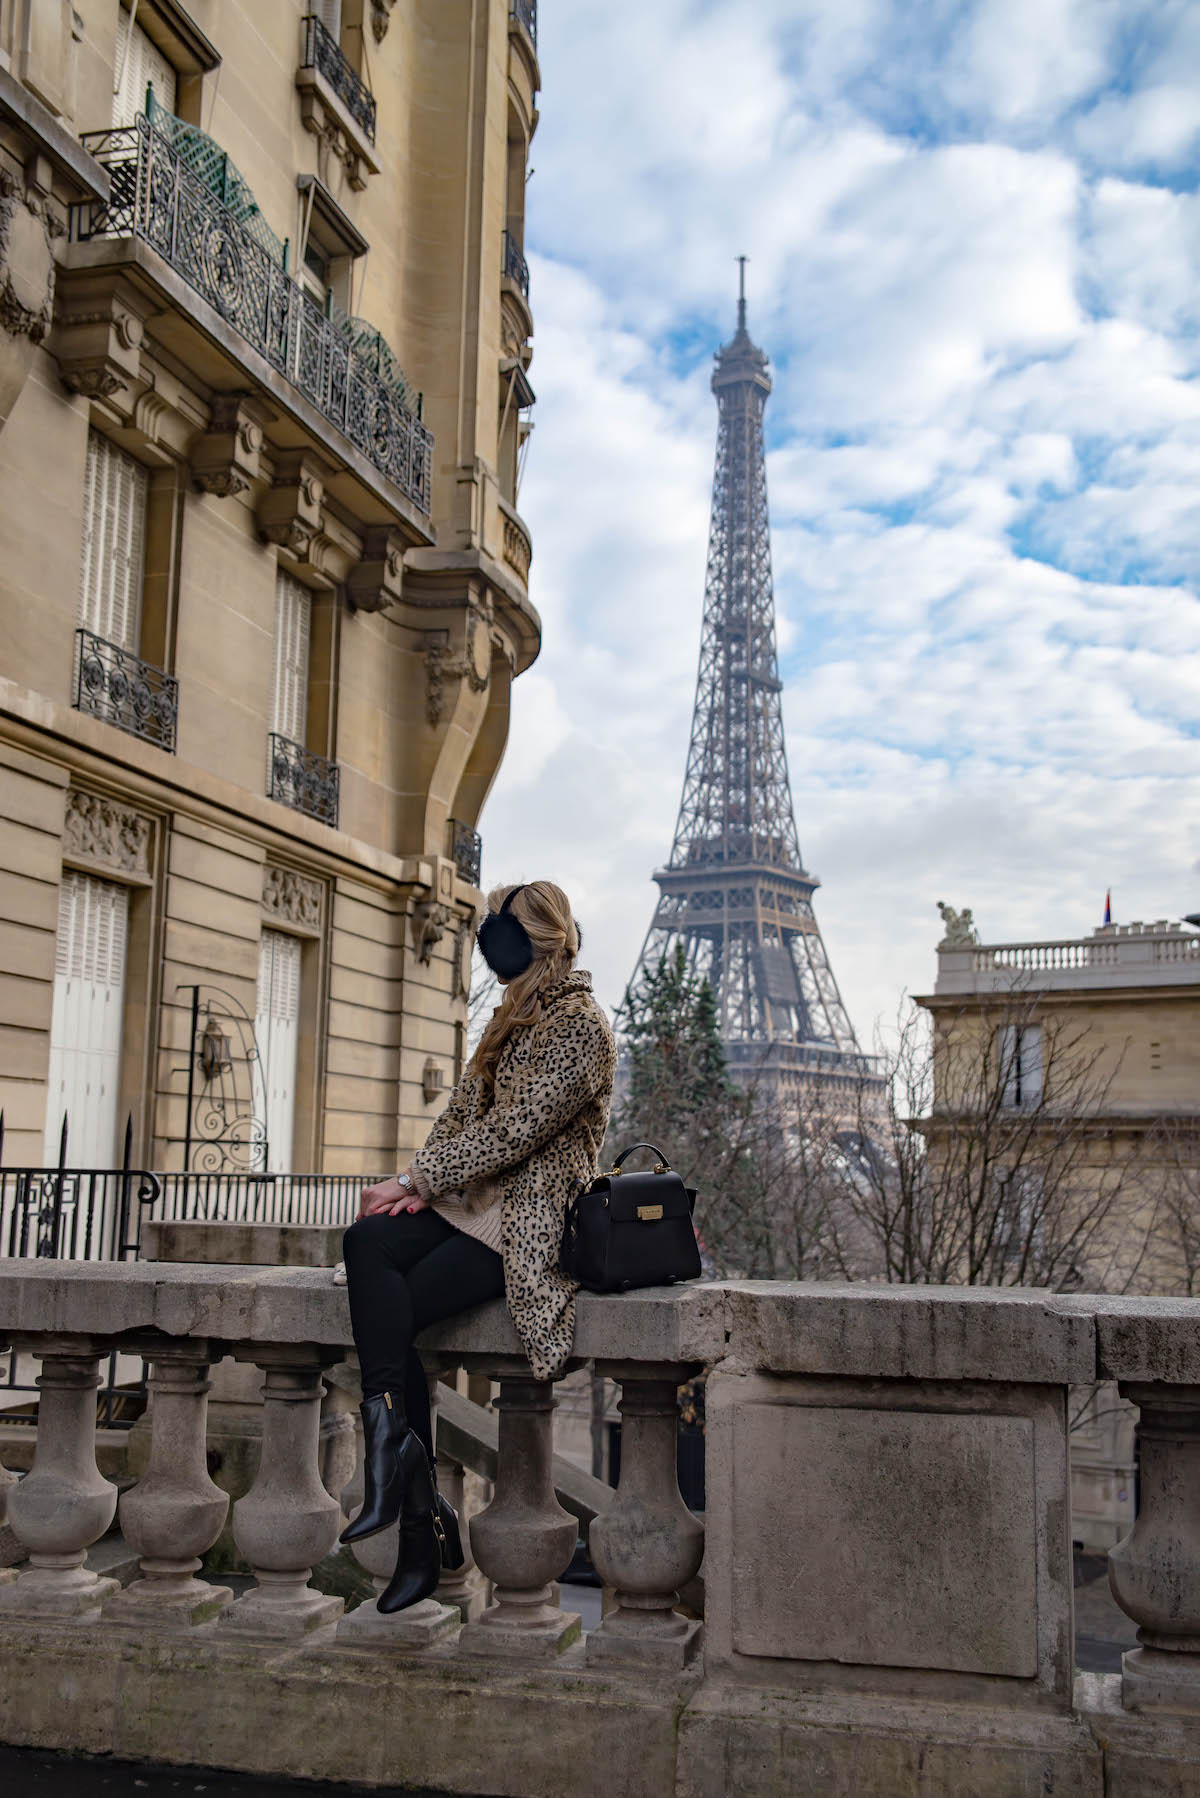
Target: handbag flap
pixel 647 1198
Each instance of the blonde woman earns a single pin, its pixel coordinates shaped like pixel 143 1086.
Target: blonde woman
pixel 479 1212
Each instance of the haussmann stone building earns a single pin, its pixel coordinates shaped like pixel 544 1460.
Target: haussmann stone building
pixel 263 581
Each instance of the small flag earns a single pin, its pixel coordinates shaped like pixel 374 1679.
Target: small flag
pixel 1108 907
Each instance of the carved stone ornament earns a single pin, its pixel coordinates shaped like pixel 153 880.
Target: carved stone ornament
pixel 26 261
pixel 441 666
pixel 960 928
pixel 106 834
pixel 225 459
pixel 381 18
pixel 374 583
pixel 289 512
pixel 292 898
pixel 98 336
pixel 429 927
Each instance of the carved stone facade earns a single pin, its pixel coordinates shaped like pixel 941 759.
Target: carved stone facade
pixel 100 832
pixel 307 486
pixel 292 900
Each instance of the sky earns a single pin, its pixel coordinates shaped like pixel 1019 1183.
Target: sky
pixel 974 241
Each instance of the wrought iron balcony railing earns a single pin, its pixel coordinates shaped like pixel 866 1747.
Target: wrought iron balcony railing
pixel 466 846
pixel 322 52
pixel 114 684
pixel 515 265
pixel 524 12
pixel 158 195
pixel 306 782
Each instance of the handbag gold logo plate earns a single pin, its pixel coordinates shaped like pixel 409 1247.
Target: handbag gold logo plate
pixel 649 1214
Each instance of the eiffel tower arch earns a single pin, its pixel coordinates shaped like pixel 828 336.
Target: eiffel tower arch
pixel 735 891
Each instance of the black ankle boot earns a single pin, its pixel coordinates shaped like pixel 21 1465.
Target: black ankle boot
pixel 429 1541
pixel 388 1462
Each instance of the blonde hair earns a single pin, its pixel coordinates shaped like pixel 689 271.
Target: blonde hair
pixel 545 912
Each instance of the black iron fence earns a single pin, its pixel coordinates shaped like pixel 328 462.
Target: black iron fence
pixel 163 191
pixel 524 12
pixel 308 783
pixel 515 265
pixel 323 53
pixel 114 684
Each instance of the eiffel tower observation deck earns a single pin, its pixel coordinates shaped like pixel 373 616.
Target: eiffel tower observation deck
pixel 735 892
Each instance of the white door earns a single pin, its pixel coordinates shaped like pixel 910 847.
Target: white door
pixel 277 1027
pixel 114 535
pixel 293 628
pixel 86 1020
pixel 139 64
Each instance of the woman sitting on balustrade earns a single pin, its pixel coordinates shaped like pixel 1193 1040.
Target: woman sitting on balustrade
pixel 478 1213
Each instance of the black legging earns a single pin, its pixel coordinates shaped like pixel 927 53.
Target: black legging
pixel 402 1273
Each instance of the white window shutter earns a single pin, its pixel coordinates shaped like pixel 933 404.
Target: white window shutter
pixel 114 537
pixel 139 64
pixel 1031 1067
pixel 87 1020
pixel 330 14
pixel 1008 1060
pixel 293 628
pixel 277 1029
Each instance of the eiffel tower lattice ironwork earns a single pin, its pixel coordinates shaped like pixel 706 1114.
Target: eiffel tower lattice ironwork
pixel 735 892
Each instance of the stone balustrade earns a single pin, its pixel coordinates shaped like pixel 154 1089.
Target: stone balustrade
pixel 887 1563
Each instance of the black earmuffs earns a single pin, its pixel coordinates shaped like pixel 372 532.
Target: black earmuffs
pixel 504 941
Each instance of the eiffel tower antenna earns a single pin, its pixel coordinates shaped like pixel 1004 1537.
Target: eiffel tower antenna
pixel 735 892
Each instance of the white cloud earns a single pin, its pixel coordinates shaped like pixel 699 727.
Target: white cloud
pixel 980 299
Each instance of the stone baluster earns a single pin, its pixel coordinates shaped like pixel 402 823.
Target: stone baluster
pixel 1155 1571
pixel 287 1522
pixel 647 1544
pixel 175 1512
pixel 63 1504
pixel 421 1624
pixel 524 1540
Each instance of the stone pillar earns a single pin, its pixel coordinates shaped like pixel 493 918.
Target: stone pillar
pixel 63 1504
pixel 524 1540
pixel 1155 1572
pixel 175 1512
pixel 647 1544
pixel 421 1624
pixel 462 1587
pixel 287 1522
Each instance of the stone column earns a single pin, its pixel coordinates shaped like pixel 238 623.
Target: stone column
pixel 287 1522
pixel 524 1540
pixel 462 1587
pixel 647 1544
pixel 63 1504
pixel 421 1624
pixel 1155 1572
pixel 175 1512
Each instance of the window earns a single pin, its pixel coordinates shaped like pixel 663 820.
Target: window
pixel 330 14
pixel 139 64
pixel 293 628
pixel 86 1020
pixel 277 1028
pixel 1020 1053
pixel 114 531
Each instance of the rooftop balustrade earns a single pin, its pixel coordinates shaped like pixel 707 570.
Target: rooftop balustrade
pixel 887 1563
pixel 1116 955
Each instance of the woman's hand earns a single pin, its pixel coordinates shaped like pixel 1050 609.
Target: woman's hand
pixel 391 1197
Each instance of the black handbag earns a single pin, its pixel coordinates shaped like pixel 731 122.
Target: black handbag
pixel 631 1230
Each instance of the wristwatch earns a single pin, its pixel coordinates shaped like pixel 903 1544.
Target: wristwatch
pixel 406 1181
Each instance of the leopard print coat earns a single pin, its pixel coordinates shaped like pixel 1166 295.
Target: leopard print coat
pixel 534 1138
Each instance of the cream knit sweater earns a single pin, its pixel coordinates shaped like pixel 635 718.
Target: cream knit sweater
pixel 477 1212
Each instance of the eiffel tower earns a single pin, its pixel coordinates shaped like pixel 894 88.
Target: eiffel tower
pixel 735 892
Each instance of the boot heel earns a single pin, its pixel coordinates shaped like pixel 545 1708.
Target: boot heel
pixel 446 1528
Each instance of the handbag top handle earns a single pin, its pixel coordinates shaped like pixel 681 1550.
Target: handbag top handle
pixel 662 1165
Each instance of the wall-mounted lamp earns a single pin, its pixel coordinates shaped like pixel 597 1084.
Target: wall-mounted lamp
pixel 215 1056
pixel 433 1080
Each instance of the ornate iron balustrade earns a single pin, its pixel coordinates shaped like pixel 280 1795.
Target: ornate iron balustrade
pixel 157 196
pixel 114 684
pixel 515 265
pixel 323 53
pixel 307 782
pixel 466 846
pixel 524 12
